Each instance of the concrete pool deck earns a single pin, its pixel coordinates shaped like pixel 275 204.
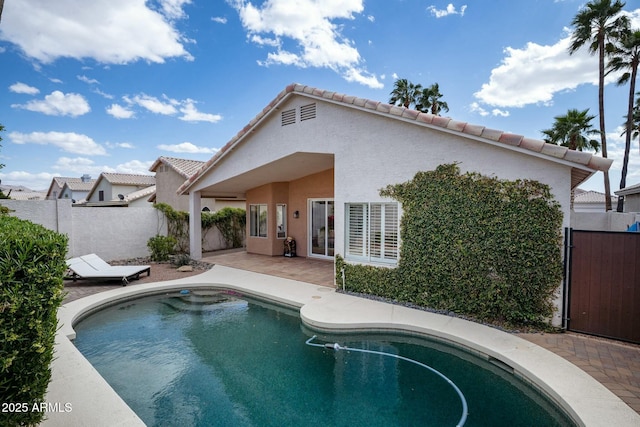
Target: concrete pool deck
pixel 95 403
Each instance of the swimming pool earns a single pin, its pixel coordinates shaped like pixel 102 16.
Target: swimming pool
pixel 215 359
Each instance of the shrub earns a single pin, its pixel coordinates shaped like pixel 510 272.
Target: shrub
pixel 473 245
pixel 229 221
pixel 161 247
pixel 32 267
pixel 181 259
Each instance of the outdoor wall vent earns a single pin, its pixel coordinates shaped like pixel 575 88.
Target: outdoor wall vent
pixel 288 117
pixel 308 112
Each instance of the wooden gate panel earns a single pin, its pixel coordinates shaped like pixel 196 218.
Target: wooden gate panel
pixel 604 290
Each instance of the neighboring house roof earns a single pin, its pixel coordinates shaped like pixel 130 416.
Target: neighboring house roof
pixel 25 194
pixel 591 196
pixel 583 163
pixel 144 192
pixel 20 192
pixel 634 189
pixel 73 182
pixel 60 181
pixel 183 167
pixel 79 186
pixel 128 179
pixel 123 179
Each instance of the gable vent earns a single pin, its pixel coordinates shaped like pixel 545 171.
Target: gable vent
pixel 308 112
pixel 288 117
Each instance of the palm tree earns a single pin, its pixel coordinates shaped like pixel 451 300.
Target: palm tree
pixel 405 93
pixel 429 100
pixel 627 57
pixel 596 25
pixel 572 130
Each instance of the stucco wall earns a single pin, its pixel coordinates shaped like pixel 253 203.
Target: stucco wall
pixel 112 233
pixel 603 221
pixel 295 196
pixel 632 203
pixel 316 186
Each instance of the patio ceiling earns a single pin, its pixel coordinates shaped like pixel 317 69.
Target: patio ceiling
pixel 289 168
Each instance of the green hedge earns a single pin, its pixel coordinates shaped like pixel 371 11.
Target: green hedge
pixel 474 245
pixel 32 266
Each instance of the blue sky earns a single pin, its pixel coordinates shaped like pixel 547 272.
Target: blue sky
pixel 111 85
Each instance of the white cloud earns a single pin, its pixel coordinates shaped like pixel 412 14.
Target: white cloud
pixel 311 26
pixel 120 112
pixel 165 106
pixel 155 105
pixel 109 31
pixel 103 94
pixel 615 151
pixel 501 113
pixel 191 114
pixel 172 9
pixel 187 147
pixel 58 104
pixel 474 107
pixel 67 141
pixel 450 10
pixel 87 80
pixel 123 145
pixel 535 73
pixel 219 19
pixel 19 87
pixel 265 41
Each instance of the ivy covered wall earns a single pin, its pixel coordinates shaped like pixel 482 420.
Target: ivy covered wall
pixel 474 245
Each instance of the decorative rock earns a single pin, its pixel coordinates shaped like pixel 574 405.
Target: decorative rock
pixel 185 268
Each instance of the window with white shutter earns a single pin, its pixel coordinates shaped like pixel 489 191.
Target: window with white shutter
pixel 372 232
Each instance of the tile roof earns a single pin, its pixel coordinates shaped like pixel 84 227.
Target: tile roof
pixel 60 181
pixel 591 197
pixel 26 195
pixel 128 179
pixel 77 185
pixel 144 192
pixel 633 189
pixel 184 167
pixel 580 159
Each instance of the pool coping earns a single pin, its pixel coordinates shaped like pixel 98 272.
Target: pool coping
pixel 95 403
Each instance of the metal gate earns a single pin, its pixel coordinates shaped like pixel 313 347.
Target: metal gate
pixel 604 284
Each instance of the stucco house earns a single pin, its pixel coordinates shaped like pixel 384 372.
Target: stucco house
pixel 171 173
pixel 76 191
pixel 55 190
pixel 631 198
pixel 112 188
pixel 310 166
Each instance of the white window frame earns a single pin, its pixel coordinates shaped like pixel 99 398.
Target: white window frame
pixel 258 228
pixel 281 221
pixel 374 235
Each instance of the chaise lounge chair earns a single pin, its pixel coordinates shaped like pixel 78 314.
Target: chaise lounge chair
pixel 93 267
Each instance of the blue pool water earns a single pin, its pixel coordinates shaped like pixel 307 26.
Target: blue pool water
pixel 213 359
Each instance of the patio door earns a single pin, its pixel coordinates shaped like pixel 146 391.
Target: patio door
pixel 321 233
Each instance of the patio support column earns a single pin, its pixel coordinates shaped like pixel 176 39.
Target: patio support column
pixel 195 225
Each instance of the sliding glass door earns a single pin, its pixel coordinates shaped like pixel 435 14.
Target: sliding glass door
pixel 321 233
